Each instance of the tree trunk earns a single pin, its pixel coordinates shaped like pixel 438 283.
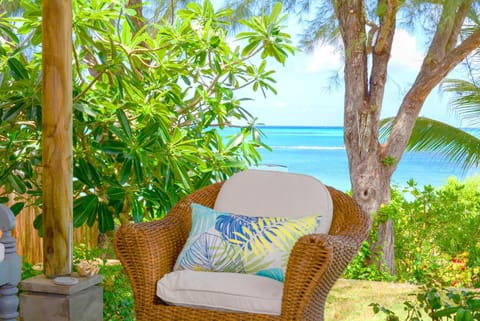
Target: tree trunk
pixel 386 243
pixel 371 188
pixel 369 174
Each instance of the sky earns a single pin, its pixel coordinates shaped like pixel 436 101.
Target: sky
pixel 308 97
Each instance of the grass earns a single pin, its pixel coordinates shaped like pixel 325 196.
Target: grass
pixel 349 300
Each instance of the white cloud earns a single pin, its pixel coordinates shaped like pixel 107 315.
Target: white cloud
pixel 324 58
pixel 405 53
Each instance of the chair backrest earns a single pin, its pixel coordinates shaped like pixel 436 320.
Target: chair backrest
pixel 272 193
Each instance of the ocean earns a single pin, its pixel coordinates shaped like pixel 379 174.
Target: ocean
pixel 320 152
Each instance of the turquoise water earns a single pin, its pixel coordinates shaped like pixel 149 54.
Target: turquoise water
pixel 320 152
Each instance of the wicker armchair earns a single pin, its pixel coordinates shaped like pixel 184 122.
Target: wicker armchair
pixel 149 250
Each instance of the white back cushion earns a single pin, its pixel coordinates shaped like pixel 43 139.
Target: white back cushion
pixel 272 193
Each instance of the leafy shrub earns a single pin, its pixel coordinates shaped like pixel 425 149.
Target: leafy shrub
pixel 436 235
pixel 118 304
pixel 436 305
pixel 30 270
pixel 361 269
pixel 436 232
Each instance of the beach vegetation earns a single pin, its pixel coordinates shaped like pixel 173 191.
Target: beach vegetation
pixel 430 244
pixel 437 233
pixel 389 161
pixel 364 30
pixel 149 100
pixel 434 303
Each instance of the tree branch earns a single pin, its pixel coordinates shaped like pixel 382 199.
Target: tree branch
pixel 457 26
pixel 429 77
pixel 97 77
pixel 77 65
pixel 458 54
pixel 371 35
pixel 443 34
pixel 352 23
pixel 380 58
pixel 387 23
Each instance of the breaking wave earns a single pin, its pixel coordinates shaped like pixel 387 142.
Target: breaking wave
pixel 307 147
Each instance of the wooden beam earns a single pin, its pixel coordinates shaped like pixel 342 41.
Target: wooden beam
pixel 57 137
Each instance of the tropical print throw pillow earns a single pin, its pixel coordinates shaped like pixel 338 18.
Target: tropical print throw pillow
pixel 223 242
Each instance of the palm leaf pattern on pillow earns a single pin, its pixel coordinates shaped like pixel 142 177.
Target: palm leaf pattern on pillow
pixel 202 220
pixel 275 273
pixel 260 234
pixel 210 252
pixel 253 263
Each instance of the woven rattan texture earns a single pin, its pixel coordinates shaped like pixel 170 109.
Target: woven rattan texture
pixel 149 250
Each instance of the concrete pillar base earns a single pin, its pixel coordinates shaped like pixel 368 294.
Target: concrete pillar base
pixel 43 300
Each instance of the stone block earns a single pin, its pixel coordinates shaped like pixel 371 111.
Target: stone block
pixel 45 301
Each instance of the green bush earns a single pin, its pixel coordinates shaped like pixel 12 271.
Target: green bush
pixel 118 304
pixel 435 304
pixel 436 235
pixel 436 232
pixel 29 270
pixel 361 269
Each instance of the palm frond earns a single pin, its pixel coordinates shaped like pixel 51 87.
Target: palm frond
pixel 467 101
pixel 453 144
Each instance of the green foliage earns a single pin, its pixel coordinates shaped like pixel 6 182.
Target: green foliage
pixel 118 304
pixel 435 304
pixel 361 269
pixel 29 270
pixel 436 236
pixel 390 161
pixel 364 265
pixel 436 233
pixel 148 105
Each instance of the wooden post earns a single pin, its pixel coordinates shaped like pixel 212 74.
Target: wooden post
pixel 57 137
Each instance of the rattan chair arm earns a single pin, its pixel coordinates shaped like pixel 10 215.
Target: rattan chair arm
pixel 307 262
pixel 316 262
pixel 348 217
pixel 147 252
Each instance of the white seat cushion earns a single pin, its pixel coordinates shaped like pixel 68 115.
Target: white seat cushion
pixel 222 291
pixel 273 194
pixel 2 252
